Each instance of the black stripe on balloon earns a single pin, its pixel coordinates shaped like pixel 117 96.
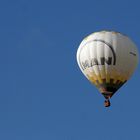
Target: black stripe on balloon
pixel 134 54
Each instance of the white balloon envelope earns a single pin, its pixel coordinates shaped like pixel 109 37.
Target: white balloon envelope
pixel 107 59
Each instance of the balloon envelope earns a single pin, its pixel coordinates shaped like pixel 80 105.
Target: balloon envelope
pixel 107 59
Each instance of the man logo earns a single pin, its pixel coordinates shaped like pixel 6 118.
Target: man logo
pixel 93 61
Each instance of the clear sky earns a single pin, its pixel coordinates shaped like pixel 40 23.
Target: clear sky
pixel 43 94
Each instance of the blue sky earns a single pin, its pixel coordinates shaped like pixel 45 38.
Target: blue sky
pixel 43 94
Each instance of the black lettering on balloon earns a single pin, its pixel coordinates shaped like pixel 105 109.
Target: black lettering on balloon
pixel 92 62
pixel 106 61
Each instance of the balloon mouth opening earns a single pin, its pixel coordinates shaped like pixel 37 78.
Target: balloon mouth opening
pixel 107 94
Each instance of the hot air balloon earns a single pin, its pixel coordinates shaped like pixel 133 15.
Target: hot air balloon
pixel 108 59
